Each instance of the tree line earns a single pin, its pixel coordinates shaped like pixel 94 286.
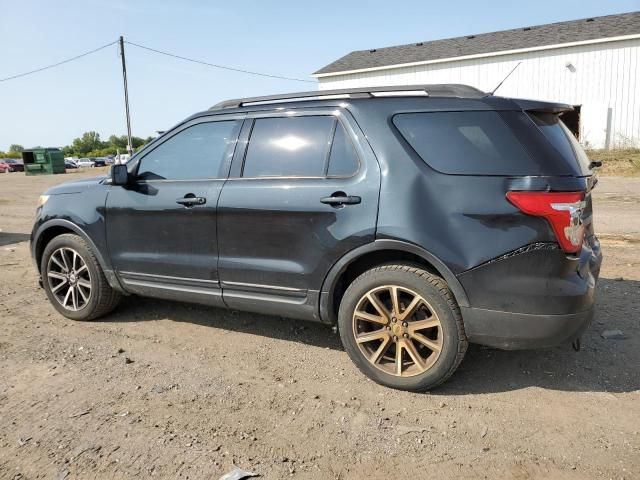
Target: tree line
pixel 88 144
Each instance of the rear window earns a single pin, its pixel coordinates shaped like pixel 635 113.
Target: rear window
pixel 557 133
pixel 481 143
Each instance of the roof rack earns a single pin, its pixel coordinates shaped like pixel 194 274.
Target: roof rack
pixel 437 90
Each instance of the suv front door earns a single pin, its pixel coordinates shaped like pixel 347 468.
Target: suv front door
pixel 302 192
pixel 161 229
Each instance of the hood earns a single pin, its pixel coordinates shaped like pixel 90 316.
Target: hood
pixel 76 186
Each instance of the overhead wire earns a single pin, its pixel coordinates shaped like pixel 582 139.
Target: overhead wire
pixel 223 67
pixel 161 52
pixel 24 74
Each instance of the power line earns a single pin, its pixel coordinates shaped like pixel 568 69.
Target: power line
pixel 223 67
pixel 59 63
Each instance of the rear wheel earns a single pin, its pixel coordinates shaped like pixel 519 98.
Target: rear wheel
pixel 402 327
pixel 73 280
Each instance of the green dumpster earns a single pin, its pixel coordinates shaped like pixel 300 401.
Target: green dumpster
pixel 43 161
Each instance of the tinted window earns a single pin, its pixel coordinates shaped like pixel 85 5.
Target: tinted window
pixel 288 147
pixel 343 161
pixel 561 138
pixel 196 152
pixel 464 142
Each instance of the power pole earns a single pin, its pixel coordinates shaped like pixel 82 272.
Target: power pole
pixel 126 96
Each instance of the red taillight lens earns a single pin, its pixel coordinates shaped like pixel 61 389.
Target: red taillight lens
pixel 563 210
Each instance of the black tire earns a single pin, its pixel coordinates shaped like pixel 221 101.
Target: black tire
pixel 102 298
pixel 433 290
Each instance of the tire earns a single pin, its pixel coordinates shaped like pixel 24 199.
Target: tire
pixel 91 295
pixel 441 327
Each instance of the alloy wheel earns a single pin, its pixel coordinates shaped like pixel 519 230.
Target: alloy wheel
pixel 69 279
pixel 397 331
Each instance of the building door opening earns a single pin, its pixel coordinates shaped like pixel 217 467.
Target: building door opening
pixel 572 120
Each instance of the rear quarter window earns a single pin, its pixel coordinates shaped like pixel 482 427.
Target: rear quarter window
pixel 463 142
pixel 479 143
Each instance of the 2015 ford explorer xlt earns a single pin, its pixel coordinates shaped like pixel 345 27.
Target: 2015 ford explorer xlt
pixel 417 219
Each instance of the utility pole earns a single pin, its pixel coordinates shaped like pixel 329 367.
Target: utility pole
pixel 126 96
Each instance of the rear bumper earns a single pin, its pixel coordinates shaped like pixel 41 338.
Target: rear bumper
pixel 516 331
pixel 535 297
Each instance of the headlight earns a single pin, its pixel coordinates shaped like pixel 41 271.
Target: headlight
pixel 42 199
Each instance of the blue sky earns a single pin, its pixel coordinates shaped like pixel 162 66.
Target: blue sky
pixel 291 38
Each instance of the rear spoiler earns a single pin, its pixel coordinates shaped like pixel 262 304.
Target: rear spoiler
pixel 543 107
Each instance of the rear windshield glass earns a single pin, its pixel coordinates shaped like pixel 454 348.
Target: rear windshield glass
pixel 481 143
pixel 561 138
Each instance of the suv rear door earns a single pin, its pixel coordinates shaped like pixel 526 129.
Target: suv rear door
pixel 303 191
pixel 161 229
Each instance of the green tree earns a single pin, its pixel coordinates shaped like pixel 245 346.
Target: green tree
pixel 15 148
pixel 87 142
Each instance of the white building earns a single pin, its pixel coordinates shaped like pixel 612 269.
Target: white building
pixel 593 64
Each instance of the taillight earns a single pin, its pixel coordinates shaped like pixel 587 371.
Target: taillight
pixel 563 211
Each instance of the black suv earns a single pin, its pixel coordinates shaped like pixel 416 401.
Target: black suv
pixel 417 219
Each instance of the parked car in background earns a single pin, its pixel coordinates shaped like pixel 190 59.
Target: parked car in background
pixel 11 165
pixel 4 166
pixel 99 161
pixel 109 159
pixel 416 219
pixel 86 163
pixel 68 163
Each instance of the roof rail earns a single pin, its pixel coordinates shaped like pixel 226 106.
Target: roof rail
pixel 437 90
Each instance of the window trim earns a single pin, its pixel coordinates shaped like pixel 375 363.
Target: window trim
pixel 338 115
pixel 227 156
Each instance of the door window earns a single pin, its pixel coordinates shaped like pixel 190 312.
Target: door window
pixel 195 152
pixel 289 147
pixel 343 161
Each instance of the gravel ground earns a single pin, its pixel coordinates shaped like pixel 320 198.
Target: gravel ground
pixel 179 391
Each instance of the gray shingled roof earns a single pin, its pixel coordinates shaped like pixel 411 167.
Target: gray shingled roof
pixel 527 37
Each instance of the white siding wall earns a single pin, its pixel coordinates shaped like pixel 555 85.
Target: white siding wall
pixel 607 75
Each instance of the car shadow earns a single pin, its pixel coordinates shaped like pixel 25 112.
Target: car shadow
pixel 134 309
pixel 602 365
pixel 7 238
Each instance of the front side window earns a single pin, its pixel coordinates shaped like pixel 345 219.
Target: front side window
pixel 289 147
pixel 195 152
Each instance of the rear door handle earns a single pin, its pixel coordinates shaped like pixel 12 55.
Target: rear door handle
pixel 190 200
pixel 337 200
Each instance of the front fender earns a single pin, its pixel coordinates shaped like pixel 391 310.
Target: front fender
pixel 41 232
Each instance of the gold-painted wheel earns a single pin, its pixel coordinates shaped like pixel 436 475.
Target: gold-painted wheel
pixel 397 331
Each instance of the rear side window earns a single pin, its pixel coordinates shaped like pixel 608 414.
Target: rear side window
pixel 557 133
pixel 471 143
pixel 194 153
pixel 289 147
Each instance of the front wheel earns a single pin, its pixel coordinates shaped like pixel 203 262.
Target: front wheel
pixel 74 281
pixel 402 327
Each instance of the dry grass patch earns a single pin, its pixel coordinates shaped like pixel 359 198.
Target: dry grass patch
pixel 625 162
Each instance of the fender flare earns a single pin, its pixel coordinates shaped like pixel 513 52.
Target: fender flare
pixel 326 293
pixel 105 264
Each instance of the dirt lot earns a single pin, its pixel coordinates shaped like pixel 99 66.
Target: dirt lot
pixel 180 391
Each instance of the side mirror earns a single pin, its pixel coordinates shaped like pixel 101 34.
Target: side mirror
pixel 119 174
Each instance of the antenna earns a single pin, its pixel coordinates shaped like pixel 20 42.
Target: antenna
pixel 504 79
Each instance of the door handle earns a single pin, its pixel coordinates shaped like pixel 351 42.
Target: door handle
pixel 340 198
pixel 190 200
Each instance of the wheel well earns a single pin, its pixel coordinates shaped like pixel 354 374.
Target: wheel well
pixel 368 261
pixel 45 237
